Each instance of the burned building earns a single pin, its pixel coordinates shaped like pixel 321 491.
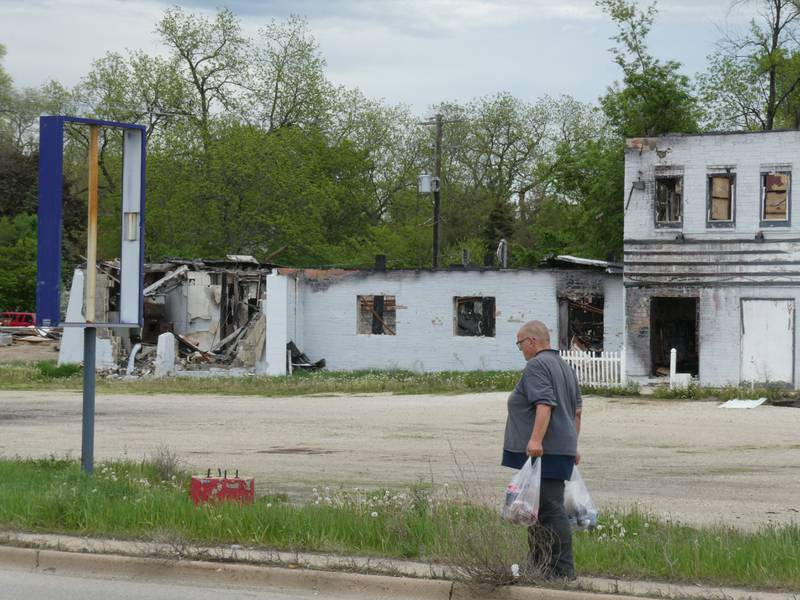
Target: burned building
pixel 712 256
pixel 213 307
pixel 239 313
pixel 458 319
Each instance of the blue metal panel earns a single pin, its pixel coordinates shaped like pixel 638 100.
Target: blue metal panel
pixel 50 222
pixel 102 123
pixel 51 168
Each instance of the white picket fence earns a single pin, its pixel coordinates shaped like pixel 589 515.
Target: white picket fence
pixel 605 370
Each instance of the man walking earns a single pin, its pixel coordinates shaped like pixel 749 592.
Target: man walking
pixel 544 419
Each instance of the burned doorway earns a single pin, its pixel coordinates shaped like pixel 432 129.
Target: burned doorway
pixel 580 324
pixel 673 324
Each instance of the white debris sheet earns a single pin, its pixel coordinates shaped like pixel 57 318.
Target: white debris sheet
pixel 736 403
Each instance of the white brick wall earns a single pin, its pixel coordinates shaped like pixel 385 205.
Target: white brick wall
pixel 719 266
pixel 747 153
pixel 720 346
pixel 614 315
pixel 425 341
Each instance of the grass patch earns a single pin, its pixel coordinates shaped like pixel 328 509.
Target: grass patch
pixel 132 500
pixel 51 370
pixel 46 375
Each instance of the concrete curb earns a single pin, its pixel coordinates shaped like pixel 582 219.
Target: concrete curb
pixel 111 566
pixel 354 575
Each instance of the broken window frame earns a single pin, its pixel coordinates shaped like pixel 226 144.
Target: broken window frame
pixel 485 325
pixel 710 220
pixel 376 314
pixel 575 321
pixel 678 182
pixel 765 222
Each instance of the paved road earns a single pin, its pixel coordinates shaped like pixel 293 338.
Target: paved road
pixel 692 460
pixel 27 585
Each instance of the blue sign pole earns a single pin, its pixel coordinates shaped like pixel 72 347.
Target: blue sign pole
pixel 89 375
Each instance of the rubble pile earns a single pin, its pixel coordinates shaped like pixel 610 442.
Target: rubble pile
pixel 29 335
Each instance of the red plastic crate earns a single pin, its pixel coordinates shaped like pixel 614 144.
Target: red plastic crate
pixel 222 489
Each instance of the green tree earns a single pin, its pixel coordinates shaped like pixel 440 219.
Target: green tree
pixel 138 88
pixel 18 181
pixel 654 97
pixel 211 57
pixel 392 140
pixel 18 262
pixel 6 87
pixel 753 78
pixel 285 194
pixel 499 224
pixel 286 84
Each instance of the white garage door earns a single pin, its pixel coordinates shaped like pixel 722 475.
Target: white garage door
pixel 768 341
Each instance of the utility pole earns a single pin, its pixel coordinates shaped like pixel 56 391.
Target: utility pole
pixel 428 183
pixel 437 174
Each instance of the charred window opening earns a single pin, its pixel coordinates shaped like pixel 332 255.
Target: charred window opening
pixel 474 316
pixel 775 197
pixel 721 189
pixel 240 293
pixel 580 324
pixel 377 315
pixel 673 324
pixel 669 200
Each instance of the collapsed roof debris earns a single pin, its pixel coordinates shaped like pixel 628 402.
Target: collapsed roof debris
pixel 213 308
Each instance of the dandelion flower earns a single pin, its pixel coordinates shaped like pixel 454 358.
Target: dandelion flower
pixel 373 514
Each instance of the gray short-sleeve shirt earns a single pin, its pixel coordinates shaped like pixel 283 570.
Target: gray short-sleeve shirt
pixel 547 379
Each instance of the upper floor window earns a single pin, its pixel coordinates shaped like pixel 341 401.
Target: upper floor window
pixel 721 199
pixel 669 201
pixel 775 198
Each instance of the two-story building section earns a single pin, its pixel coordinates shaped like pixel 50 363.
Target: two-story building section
pixel 712 256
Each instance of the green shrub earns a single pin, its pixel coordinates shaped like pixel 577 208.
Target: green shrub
pixel 51 370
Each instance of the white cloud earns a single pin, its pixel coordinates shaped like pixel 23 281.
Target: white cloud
pixel 51 39
pixel 419 52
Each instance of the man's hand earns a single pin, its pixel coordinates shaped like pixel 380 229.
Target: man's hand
pixel 577 457
pixel 535 448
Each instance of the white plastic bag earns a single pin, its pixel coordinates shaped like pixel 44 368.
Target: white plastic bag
pixel 522 494
pixel 581 509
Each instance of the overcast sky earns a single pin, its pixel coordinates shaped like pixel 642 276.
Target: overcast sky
pixel 417 52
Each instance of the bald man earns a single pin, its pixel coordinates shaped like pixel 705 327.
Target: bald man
pixel 544 419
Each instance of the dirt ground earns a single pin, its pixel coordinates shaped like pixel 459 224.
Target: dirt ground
pixel 690 460
pixel 28 352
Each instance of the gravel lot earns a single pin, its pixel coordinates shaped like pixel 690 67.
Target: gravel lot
pixel 691 460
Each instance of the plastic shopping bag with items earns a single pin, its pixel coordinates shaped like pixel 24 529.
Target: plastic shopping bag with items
pixel 522 494
pixel 581 509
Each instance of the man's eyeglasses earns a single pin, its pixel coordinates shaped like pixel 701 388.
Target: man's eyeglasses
pixel 520 342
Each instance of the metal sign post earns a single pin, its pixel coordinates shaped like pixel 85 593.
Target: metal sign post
pixel 131 257
pixel 90 332
pixel 89 375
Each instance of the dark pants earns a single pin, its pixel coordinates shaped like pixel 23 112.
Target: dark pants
pixel 550 541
